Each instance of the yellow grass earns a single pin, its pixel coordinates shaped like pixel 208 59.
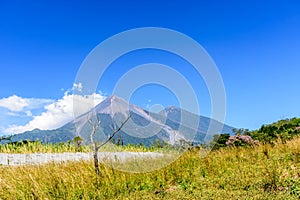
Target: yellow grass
pixel 263 172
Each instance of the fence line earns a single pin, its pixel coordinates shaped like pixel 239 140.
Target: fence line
pixel 42 158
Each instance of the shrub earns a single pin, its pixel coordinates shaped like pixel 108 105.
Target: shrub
pixel 241 140
pixel 219 141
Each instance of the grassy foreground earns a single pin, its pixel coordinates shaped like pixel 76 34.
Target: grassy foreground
pixel 38 147
pixel 263 172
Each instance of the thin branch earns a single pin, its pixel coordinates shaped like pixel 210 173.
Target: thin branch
pixel 114 132
pixel 95 126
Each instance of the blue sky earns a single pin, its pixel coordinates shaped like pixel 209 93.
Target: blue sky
pixel 255 44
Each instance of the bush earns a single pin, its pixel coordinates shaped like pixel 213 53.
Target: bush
pixel 219 141
pixel 241 140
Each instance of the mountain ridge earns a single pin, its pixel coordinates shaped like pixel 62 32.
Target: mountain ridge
pixel 143 127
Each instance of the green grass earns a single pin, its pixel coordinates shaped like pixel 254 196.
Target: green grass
pixel 38 147
pixel 263 172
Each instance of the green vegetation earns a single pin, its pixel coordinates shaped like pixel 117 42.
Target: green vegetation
pixel 263 172
pixel 39 147
pixel 76 146
pixel 282 130
pixel 219 141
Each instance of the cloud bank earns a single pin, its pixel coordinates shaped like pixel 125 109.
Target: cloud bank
pixel 56 112
pixel 15 103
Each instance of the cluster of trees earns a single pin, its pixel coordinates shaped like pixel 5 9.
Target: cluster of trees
pixel 282 130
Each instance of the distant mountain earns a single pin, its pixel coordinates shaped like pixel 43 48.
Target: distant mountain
pixel 171 125
pixel 180 119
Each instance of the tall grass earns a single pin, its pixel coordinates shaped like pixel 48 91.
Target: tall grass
pixel 38 147
pixel 263 172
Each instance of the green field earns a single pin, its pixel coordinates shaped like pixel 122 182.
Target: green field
pixel 261 172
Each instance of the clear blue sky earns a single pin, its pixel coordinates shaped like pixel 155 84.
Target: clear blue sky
pixel 255 44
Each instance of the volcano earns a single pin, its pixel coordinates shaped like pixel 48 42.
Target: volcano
pixel 171 125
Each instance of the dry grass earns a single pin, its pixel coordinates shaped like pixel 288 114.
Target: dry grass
pixel 263 172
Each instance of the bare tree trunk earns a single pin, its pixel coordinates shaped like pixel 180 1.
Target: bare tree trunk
pixel 96 161
pixel 95 125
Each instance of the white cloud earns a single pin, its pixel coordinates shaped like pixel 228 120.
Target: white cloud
pixel 77 86
pixel 59 112
pixel 15 103
pixel 28 113
pixel 13 114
